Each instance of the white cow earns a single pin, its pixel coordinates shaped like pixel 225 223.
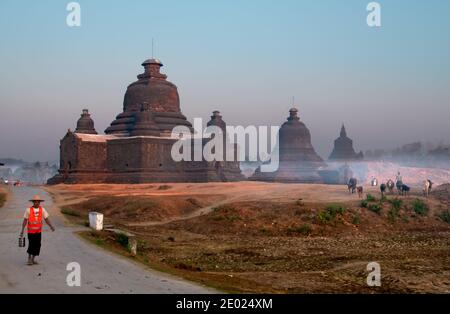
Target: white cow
pixel 427 186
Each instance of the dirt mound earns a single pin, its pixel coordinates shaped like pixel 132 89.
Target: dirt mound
pixel 136 208
pixel 315 219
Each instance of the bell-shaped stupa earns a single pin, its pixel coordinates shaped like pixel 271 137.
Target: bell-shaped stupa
pixel 343 148
pixel 85 124
pixel 298 161
pixel 161 96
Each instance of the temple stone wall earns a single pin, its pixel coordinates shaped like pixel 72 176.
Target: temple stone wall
pixel 92 156
pixel 140 154
pixel 79 155
pixel 68 152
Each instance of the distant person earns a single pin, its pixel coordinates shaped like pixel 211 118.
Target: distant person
pixel 399 177
pixel 399 181
pixel 33 220
pixel 374 182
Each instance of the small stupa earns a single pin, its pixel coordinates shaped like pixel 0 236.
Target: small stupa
pixel 343 148
pixel 85 125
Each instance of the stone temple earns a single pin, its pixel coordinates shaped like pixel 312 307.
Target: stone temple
pixel 343 149
pixel 298 161
pixel 136 147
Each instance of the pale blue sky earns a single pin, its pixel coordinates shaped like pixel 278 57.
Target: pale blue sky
pixel 245 58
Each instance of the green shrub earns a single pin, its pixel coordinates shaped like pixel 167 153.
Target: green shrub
pixel 304 229
pixel 364 203
pixel 334 209
pixel 445 216
pixel 330 212
pixel 376 208
pixel 419 207
pixel 122 239
pixel 396 203
pixel 371 198
pixel 325 217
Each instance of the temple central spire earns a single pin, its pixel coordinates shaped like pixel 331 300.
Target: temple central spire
pixel 152 69
pixel 343 131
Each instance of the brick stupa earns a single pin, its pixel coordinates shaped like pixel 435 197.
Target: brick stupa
pixel 298 161
pixel 343 148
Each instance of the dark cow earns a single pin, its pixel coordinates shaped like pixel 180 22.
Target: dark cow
pixel 405 189
pixel 352 185
pixel 399 186
pixel 383 187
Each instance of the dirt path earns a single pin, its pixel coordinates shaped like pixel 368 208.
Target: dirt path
pixel 101 271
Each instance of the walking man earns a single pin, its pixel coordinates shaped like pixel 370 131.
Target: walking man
pixel 399 182
pixel 33 220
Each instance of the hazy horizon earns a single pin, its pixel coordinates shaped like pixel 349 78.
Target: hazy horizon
pixel 389 85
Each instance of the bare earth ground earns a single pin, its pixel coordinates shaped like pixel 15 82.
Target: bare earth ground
pixel 270 237
pixel 3 195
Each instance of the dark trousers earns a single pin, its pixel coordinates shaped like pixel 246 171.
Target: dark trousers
pixel 34 243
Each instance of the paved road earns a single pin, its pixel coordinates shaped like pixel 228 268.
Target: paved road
pixel 101 271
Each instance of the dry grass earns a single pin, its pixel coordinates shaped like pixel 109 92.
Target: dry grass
pixel 248 264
